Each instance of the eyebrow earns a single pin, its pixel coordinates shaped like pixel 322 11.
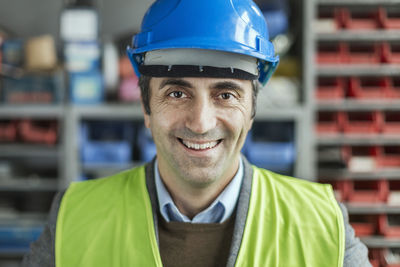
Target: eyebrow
pixel 227 85
pixel 176 82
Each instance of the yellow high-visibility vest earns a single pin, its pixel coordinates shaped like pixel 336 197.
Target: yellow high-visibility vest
pixel 109 222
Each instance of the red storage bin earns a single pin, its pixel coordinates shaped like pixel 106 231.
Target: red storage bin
pixel 330 88
pixel 391 122
pixel 364 225
pixel 390 18
pixel 364 53
pixel 362 122
pixel 394 88
pixel 368 191
pixel 389 225
pixel 369 87
pixel 329 122
pixel 125 68
pixel 331 53
pixel 8 131
pixel 389 156
pixel 359 19
pixel 340 189
pixel 375 256
pixel 391 53
pixel 44 132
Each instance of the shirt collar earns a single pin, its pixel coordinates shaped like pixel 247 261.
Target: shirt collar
pixel 219 211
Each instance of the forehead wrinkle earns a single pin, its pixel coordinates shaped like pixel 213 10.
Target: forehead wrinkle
pixel 175 81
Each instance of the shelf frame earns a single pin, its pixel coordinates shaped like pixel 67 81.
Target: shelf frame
pixel 45 111
pixel 360 36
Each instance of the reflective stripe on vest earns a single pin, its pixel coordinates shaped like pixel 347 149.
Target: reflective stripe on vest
pixel 109 222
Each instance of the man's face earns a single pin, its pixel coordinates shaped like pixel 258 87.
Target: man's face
pixel 199 126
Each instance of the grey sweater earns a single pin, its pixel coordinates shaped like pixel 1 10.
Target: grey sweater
pixel 42 252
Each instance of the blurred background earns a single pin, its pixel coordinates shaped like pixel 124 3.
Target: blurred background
pixel 70 110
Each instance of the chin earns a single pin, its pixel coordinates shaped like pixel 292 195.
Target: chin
pixel 200 178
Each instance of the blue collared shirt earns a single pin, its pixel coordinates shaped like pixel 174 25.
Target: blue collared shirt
pixel 219 211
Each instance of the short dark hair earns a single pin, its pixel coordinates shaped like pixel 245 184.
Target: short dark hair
pixel 144 84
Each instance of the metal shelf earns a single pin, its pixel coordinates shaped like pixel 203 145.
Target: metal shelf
pixel 358 139
pixel 24 218
pixel 13 253
pixel 279 113
pixel 103 170
pixel 357 70
pixel 27 150
pixel 365 208
pixel 335 174
pixel 108 111
pixel 352 35
pixel 36 111
pixel 29 184
pixel 358 2
pixel 359 105
pixel 381 242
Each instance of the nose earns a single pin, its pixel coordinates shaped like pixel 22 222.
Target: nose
pixel 202 116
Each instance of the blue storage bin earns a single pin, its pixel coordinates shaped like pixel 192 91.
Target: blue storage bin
pixel 146 145
pixel 38 88
pixel 271 146
pixel 277 157
pixel 18 236
pixel 13 52
pixel 277 22
pixel 86 87
pixel 106 142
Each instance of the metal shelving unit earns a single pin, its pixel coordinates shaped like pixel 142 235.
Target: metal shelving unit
pixel 32 189
pixel 313 71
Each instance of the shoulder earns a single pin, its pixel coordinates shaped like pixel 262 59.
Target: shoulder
pixel 110 184
pixel 286 184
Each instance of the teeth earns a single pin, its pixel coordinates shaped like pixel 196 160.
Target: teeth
pixel 199 146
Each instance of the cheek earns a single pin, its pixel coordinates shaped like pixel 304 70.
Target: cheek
pixel 238 122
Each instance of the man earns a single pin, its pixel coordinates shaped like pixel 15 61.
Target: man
pixel 199 203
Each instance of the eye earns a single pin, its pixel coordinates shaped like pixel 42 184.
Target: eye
pixel 177 94
pixel 226 96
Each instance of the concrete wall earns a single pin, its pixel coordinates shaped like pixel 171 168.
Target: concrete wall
pixel 26 18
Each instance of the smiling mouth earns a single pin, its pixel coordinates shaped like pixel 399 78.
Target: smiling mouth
pixel 199 146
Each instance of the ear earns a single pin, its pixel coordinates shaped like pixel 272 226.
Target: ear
pixel 145 115
pixel 250 124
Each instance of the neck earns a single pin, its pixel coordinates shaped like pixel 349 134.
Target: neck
pixel 191 198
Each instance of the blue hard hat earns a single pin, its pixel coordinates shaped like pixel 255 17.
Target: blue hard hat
pixel 236 26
